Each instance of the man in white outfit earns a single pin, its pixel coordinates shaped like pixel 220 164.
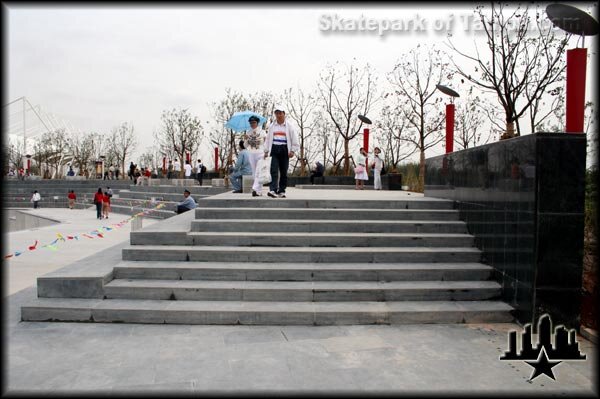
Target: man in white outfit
pixel 280 144
pixel 254 140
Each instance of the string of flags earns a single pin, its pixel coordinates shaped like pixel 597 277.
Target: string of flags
pixel 98 233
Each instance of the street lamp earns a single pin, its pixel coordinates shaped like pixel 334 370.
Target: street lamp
pixel 102 167
pixel 449 117
pixel 578 22
pixel 367 121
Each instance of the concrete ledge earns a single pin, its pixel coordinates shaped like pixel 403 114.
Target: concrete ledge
pixel 84 278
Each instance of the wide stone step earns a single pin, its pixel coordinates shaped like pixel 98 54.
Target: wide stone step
pixel 154 214
pixel 158 196
pixel 246 271
pixel 301 291
pixel 265 313
pixel 194 190
pixel 332 239
pixel 321 226
pixel 296 254
pixel 266 202
pixel 325 214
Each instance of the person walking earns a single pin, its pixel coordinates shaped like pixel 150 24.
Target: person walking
pixel 105 205
pixel 132 171
pixel 377 165
pixel 188 170
pixel 200 170
pixel 72 197
pixel 36 198
pixel 254 141
pixel 176 168
pixel 187 204
pixel 117 171
pixel 281 143
pixel 98 200
pixel 360 171
pixel 170 170
pixel 242 168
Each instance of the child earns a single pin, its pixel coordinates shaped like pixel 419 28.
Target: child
pixel 105 205
pixel 72 197
pixel 35 198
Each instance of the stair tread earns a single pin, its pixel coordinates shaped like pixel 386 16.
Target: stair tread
pixel 303 285
pixel 301 266
pixel 325 234
pixel 254 306
pixel 357 221
pixel 199 248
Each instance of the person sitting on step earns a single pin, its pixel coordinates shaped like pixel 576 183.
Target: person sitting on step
pixel 242 168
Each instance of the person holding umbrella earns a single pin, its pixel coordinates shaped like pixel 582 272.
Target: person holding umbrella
pixel 280 144
pixel 254 140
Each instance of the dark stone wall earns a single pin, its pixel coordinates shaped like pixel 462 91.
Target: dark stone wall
pixel 523 200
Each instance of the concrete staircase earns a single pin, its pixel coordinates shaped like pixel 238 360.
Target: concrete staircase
pixel 290 261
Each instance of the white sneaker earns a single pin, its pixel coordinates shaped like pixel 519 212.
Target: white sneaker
pixel 281 195
pixel 272 194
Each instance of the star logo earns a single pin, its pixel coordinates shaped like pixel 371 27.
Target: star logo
pixel 542 366
pixel 549 351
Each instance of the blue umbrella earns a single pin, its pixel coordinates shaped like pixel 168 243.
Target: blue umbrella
pixel 239 121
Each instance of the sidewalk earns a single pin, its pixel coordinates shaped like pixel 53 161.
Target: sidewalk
pixel 22 271
pixel 113 358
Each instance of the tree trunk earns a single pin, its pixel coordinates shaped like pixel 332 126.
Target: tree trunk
pixel 346 157
pixel 421 187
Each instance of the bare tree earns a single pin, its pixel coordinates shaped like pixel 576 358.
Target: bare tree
pixel 470 121
pixel 521 63
pixel 345 93
pixel 414 79
pixel 300 108
pixel 222 137
pixel 82 149
pixel 122 142
pixel 393 126
pixel 180 131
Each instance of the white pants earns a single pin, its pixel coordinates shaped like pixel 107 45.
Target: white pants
pixel 254 157
pixel 377 179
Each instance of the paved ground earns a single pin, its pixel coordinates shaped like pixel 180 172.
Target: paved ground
pixel 111 358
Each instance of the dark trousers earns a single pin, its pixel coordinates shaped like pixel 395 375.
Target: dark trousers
pixel 313 175
pixel 98 210
pixel 199 177
pixel 35 204
pixel 181 209
pixel 280 161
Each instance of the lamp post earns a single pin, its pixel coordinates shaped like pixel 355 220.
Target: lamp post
pixel 449 117
pixel 578 22
pixel 102 166
pixel 367 121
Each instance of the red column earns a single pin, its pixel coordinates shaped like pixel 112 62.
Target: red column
pixel 576 68
pixel 449 128
pixel 216 159
pixel 366 146
pixel 28 164
pixel 164 168
pixel 187 156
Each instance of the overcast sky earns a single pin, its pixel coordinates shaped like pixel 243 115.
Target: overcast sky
pixel 97 67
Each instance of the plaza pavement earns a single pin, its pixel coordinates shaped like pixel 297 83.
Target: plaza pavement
pixel 88 358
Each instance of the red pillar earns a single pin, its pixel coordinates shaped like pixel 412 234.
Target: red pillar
pixel 576 68
pixel 216 159
pixel 366 146
pixel 28 164
pixel 449 128
pixel 164 168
